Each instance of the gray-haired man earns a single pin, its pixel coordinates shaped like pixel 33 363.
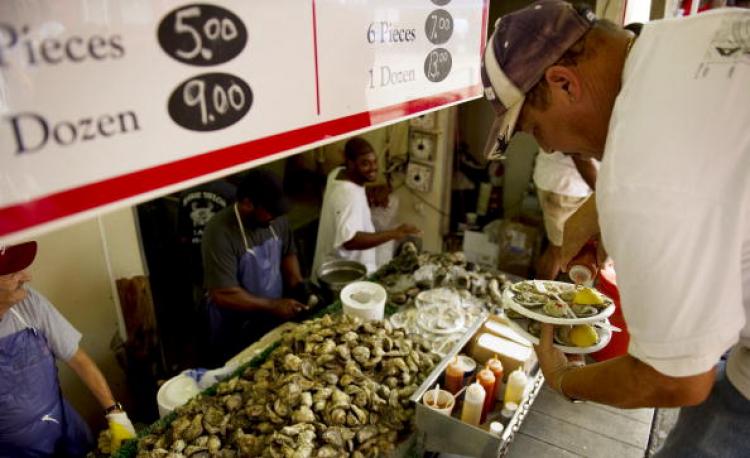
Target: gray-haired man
pixel 668 116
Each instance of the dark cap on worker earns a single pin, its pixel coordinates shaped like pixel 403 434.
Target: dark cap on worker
pixel 524 44
pixel 264 189
pixel 15 258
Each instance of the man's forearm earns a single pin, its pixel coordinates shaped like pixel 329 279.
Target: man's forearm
pixel 92 377
pixel 238 299
pixel 290 271
pixel 626 382
pixel 367 240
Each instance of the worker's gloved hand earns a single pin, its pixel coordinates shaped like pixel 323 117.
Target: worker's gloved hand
pixel 120 429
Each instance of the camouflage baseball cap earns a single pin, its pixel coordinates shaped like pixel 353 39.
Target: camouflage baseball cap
pixel 524 44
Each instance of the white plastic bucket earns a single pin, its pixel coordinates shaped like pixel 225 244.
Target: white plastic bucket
pixel 364 299
pixel 175 392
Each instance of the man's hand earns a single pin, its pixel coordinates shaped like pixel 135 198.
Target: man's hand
pixel 286 308
pixel 405 230
pixel 552 361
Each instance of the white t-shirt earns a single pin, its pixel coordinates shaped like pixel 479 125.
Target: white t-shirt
pixel 345 212
pixel 673 195
pixel 556 172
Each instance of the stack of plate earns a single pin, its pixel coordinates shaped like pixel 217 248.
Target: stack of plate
pixel 530 313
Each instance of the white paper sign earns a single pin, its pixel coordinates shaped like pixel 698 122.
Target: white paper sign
pixel 117 101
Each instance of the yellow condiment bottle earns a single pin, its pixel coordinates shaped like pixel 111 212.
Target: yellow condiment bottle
pixel 473 402
pixel 516 386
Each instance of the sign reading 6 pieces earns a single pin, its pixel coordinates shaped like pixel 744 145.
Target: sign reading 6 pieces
pixel 205 35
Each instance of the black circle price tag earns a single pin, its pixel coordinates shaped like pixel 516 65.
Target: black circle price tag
pixel 438 27
pixel 210 101
pixel 202 35
pixel 438 64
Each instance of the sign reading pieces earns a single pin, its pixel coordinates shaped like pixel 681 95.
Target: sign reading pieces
pixel 114 103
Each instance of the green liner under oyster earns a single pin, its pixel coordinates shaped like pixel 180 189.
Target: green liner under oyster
pixel 333 387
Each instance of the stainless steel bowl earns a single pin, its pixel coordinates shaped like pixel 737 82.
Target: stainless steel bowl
pixel 337 273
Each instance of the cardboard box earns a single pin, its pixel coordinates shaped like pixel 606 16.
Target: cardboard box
pixel 479 250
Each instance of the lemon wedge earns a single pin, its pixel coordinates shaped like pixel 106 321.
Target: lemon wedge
pixel 588 296
pixel 583 335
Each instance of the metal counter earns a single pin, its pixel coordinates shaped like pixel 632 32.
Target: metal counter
pixel 440 433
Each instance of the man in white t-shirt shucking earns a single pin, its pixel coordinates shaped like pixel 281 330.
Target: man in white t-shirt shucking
pixel 667 115
pixel 346 230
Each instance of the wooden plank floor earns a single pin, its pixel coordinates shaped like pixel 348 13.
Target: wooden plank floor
pixel 557 428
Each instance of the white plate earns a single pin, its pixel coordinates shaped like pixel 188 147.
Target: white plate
pixel 520 325
pixel 439 319
pixel 544 318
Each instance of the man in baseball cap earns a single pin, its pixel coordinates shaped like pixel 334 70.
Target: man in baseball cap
pixel 35 419
pixel 668 117
pixel 250 267
pixel 523 46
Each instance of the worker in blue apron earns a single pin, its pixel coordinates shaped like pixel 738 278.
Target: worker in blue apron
pixel 250 265
pixel 35 420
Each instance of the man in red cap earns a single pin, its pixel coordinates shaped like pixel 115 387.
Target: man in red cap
pixel 667 115
pixel 35 420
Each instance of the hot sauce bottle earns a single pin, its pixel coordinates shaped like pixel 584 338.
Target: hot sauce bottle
pixel 583 268
pixel 496 366
pixel 486 378
pixel 454 376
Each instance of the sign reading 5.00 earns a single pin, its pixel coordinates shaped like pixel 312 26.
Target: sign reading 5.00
pixel 202 35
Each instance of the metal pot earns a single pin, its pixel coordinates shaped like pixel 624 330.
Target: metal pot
pixel 335 274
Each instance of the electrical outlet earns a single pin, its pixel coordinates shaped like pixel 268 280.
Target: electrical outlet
pixel 422 146
pixel 425 121
pixel 419 177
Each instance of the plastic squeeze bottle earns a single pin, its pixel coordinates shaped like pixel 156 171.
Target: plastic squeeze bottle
pixel 486 378
pixel 583 268
pixel 473 402
pixel 516 386
pixel 454 376
pixel 496 366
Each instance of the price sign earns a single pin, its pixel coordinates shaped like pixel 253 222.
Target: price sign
pixel 438 64
pixel 439 27
pixel 210 101
pixel 202 35
pixel 109 105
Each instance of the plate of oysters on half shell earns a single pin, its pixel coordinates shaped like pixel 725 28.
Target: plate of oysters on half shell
pixel 574 339
pixel 556 302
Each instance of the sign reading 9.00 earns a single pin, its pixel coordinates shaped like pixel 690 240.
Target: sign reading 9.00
pixel 206 35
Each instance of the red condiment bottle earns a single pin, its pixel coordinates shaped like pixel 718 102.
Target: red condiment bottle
pixel 454 376
pixel 486 378
pixel 496 366
pixel 583 268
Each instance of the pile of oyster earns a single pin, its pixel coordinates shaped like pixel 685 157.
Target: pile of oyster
pixel 336 386
pixel 411 272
